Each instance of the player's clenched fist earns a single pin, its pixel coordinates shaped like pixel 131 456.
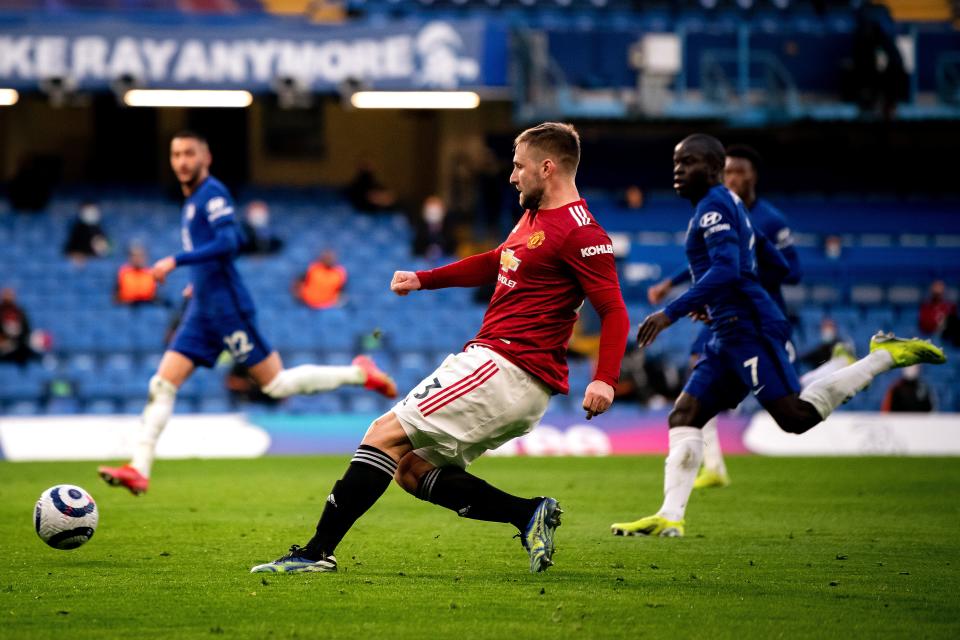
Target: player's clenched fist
pixel 597 398
pixel 162 268
pixel 404 282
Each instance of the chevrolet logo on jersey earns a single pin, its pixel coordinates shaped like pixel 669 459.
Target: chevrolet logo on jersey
pixel 507 261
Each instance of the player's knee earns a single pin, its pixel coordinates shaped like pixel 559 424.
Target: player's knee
pixel 793 415
pixel 161 389
pixel 411 470
pixel 684 412
pixel 407 480
pixel 405 475
pixel 798 424
pixel 280 387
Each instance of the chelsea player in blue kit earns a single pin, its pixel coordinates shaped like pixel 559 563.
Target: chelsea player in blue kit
pixel 220 315
pixel 747 350
pixel 774 237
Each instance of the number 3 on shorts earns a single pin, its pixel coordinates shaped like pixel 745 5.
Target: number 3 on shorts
pixel 752 363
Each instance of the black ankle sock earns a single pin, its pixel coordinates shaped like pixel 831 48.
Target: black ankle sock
pixel 471 497
pixel 367 477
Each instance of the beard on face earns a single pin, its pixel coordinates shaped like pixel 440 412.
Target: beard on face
pixel 531 199
pixel 192 179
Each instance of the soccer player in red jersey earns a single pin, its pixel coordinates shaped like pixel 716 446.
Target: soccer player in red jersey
pixel 496 389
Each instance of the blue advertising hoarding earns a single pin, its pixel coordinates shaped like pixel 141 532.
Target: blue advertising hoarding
pixel 94 52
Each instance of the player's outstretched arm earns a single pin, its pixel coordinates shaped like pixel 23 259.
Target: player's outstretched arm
pixel 404 282
pixel 474 271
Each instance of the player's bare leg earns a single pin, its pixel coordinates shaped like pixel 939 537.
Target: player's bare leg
pixel 680 471
pixel 175 368
pixel 278 382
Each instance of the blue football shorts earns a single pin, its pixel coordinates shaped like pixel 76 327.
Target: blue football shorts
pixel 203 338
pixel 743 362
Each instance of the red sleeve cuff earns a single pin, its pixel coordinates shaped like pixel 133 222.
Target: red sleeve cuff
pixel 426 279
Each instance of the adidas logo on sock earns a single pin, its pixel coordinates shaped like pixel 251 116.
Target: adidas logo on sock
pixel 463 512
pixel 332 500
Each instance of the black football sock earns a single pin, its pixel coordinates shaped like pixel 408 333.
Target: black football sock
pixel 367 477
pixel 471 497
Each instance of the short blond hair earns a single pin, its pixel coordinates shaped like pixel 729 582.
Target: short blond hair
pixel 557 140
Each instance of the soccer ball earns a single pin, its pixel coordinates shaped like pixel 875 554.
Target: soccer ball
pixel 65 516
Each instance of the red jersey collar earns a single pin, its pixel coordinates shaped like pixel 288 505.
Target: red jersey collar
pixel 564 207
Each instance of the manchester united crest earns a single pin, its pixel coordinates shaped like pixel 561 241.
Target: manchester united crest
pixel 536 239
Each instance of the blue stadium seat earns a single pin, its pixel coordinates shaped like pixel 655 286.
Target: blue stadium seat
pixel 23 408
pixel 62 406
pixel 101 407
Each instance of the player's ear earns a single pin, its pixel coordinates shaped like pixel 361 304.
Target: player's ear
pixel 547 167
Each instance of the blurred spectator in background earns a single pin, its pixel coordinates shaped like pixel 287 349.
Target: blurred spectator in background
pixel 258 238
pixel 14 330
pixel 651 381
pixel 938 316
pixel 833 247
pixel 492 177
pixel 366 193
pixel 908 394
pixel 829 338
pixel 633 198
pixel 434 235
pixel 321 285
pixel 135 283
pixel 86 237
pixel 462 196
pixel 879 78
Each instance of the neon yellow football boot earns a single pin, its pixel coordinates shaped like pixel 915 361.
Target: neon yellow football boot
pixel 708 478
pixel 842 350
pixel 649 526
pixel 907 351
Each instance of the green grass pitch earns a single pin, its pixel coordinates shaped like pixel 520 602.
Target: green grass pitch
pixel 845 548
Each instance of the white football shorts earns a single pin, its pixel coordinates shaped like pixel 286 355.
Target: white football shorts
pixel 475 401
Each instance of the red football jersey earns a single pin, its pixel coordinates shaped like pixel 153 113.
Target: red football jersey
pixel 548 264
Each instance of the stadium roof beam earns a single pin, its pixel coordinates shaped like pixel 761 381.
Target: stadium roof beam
pixel 8 97
pixel 187 98
pixel 415 100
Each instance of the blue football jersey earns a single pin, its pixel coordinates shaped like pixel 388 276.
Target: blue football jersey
pixel 773 224
pixel 720 248
pixel 217 286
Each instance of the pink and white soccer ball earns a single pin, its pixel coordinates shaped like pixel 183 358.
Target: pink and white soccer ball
pixel 65 516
